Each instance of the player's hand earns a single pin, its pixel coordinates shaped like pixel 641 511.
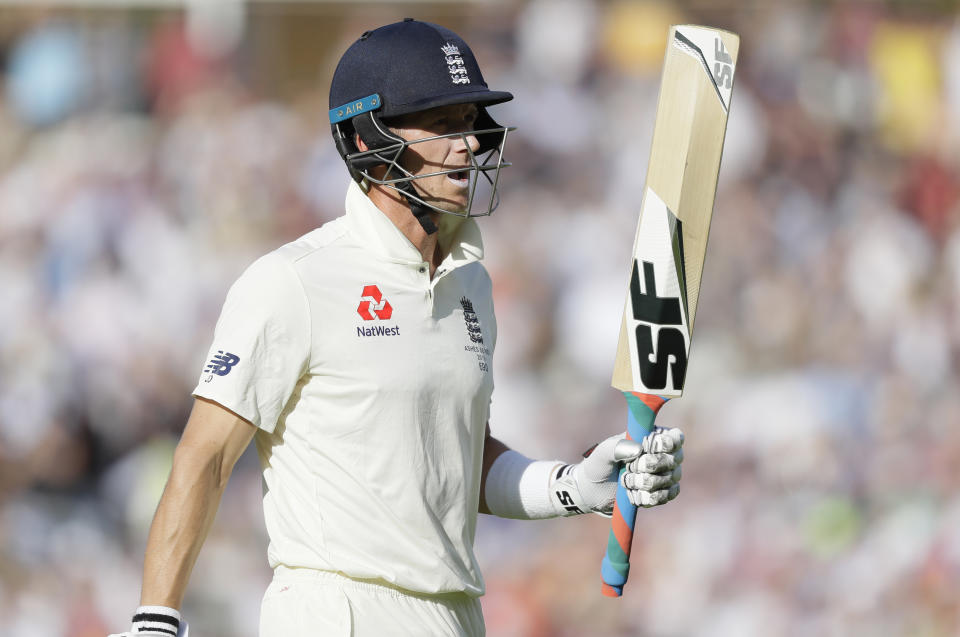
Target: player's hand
pixel 652 476
pixel 158 621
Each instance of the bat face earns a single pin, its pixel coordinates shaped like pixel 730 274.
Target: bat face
pixel 675 212
pixel 657 312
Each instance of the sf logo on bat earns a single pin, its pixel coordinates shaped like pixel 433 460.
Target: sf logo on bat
pixel 723 65
pixel 663 317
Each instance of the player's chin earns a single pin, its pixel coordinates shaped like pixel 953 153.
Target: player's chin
pixel 459 210
pixel 454 203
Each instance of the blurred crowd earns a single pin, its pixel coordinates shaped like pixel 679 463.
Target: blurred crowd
pixel 143 166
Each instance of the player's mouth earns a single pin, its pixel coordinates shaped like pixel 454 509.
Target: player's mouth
pixel 461 178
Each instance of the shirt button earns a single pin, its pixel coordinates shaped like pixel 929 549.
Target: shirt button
pixel 422 270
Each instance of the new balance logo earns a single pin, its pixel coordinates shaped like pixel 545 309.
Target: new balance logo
pixel 221 363
pixel 373 305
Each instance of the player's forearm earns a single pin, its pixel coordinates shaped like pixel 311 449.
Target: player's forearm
pixel 180 526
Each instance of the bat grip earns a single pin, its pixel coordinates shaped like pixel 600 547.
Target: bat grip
pixel 641 413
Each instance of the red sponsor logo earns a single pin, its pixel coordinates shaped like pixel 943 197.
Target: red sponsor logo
pixel 372 305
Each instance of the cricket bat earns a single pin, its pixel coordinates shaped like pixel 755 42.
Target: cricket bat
pixel 669 248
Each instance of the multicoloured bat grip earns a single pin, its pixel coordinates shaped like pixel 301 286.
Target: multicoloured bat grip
pixel 642 411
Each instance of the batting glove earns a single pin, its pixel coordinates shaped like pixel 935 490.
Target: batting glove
pixel 652 475
pixel 156 621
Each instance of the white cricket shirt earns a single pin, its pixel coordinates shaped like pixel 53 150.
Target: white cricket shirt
pixel 370 384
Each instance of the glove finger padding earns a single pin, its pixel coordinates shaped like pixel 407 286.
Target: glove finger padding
pixel 627 449
pixel 601 464
pixel 653 463
pixel 648 499
pixel 649 481
pixel 678 456
pixel 653 478
pixel 662 440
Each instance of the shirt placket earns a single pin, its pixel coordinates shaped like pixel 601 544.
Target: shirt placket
pixel 429 285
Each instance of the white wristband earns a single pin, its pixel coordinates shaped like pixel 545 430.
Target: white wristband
pixel 156 619
pixel 519 488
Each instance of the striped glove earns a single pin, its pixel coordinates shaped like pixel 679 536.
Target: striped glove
pixel 156 621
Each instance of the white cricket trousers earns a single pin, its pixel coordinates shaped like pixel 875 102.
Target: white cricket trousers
pixel 302 602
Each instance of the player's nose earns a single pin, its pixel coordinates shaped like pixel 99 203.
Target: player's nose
pixel 467 140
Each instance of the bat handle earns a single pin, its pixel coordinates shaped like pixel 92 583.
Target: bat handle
pixel 641 412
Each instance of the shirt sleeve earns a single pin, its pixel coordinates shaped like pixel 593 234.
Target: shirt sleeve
pixel 261 344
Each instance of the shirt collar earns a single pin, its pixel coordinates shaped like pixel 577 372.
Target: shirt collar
pixel 463 244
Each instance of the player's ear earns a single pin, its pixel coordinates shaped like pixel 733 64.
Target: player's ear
pixel 360 144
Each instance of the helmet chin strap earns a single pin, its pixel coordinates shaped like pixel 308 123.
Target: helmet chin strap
pixel 421 212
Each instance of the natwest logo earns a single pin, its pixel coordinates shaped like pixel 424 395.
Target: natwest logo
pixel 373 305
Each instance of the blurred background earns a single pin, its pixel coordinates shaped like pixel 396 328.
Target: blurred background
pixel 150 150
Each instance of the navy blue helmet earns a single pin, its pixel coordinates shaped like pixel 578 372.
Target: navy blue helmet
pixel 403 68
